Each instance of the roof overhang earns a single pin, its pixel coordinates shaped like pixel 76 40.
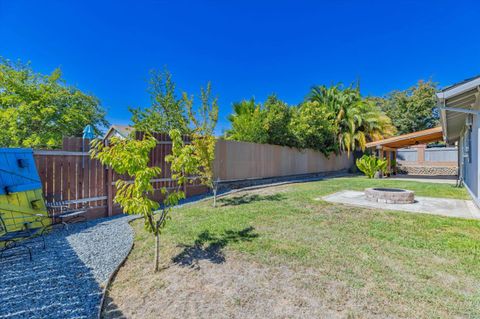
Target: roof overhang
pixel 455 103
pixel 410 139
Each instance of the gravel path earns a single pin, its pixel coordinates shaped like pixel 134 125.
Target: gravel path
pixel 64 280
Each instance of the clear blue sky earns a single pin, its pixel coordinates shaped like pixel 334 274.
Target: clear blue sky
pixel 245 48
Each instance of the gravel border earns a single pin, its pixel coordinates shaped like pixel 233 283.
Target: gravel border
pixel 66 280
pixel 111 277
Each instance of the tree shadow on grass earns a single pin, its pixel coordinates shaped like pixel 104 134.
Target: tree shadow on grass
pixel 111 310
pixel 209 247
pixel 249 198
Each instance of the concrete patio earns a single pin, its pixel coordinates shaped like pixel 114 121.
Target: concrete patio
pixel 425 205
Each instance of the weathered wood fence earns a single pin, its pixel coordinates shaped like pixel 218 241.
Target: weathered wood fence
pixel 71 175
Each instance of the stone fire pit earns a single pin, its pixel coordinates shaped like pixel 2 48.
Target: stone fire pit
pixel 390 195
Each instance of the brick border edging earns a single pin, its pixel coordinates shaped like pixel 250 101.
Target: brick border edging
pixel 389 195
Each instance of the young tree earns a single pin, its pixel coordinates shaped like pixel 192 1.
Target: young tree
pixel 203 139
pixel 413 109
pixel 166 112
pixel 37 110
pixel 130 157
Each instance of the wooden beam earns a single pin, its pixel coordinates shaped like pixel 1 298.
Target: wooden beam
pixel 410 138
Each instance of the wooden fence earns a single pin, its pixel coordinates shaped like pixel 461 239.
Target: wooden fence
pixel 421 155
pixel 71 175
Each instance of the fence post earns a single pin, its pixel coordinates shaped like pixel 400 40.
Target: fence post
pixel 109 191
pixel 421 153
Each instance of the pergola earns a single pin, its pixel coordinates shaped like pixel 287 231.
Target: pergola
pixel 387 148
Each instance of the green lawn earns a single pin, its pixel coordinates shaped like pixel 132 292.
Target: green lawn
pixel 310 258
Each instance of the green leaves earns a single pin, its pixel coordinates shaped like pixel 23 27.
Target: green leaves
pixel 131 157
pixel 167 111
pixel 413 109
pixel 197 157
pixel 247 122
pixel 332 119
pixel 357 120
pixel 276 122
pixel 37 110
pixel 312 127
pixel 370 165
pixel 182 160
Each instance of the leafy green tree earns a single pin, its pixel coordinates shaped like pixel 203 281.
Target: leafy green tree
pixel 413 109
pixel 130 157
pixel 37 110
pixel 167 111
pixel 203 139
pixel 276 122
pixel 247 122
pixel 313 127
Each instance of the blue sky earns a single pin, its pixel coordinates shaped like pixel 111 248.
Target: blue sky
pixel 245 48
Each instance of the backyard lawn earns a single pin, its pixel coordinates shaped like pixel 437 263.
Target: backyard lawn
pixel 278 253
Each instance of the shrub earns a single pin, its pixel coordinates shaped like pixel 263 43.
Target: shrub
pixel 369 165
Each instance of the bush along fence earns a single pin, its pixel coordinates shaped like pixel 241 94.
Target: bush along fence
pixel 69 174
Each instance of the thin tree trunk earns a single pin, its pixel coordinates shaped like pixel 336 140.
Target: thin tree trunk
pixel 157 250
pixel 214 197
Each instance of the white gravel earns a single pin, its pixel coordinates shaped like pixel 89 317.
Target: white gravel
pixel 65 280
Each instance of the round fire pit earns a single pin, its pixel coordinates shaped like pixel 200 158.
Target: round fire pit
pixel 390 195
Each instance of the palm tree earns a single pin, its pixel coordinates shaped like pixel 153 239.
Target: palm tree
pixel 358 120
pixel 247 121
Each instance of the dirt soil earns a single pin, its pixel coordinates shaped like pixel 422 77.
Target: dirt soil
pixel 235 288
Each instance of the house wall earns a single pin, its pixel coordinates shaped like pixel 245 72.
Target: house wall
pixel 470 168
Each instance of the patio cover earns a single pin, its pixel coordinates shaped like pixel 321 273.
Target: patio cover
pixel 421 137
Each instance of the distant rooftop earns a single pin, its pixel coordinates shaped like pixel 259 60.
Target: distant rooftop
pixel 119 130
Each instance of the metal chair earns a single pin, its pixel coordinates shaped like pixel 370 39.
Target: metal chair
pixel 13 239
